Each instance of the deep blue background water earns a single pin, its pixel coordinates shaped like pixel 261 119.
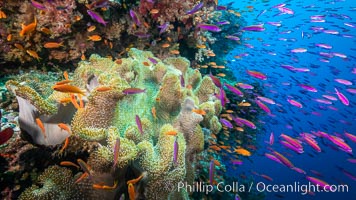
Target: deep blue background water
pixel 321 76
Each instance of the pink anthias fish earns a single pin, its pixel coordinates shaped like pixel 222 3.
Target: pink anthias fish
pixel 256 74
pixel 272 157
pixel 283 159
pixel 234 90
pixel 311 142
pixel 291 147
pixel 286 10
pixel 295 103
pixel 318 182
pixel 350 136
pixel 116 151
pixel 332 98
pixel 343 81
pixel 266 100
pixel 241 121
pixel 308 87
pixel 299 50
pixel 325 46
pixel 324 101
pixel 340 143
pixel 342 97
pixel 292 141
pixel 351 90
pixel 263 106
pixel 271 139
pixel 139 124
pixel 340 55
pixel 245 86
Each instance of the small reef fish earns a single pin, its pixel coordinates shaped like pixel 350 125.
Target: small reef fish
pixel 243 152
pixel 103 88
pixel 255 28
pixel 64 127
pixel 66 142
pixel 246 122
pixel 308 88
pixel 234 90
pixel 216 81
pixel 84 166
pixel 40 124
pixel 116 151
pixel 94 38
pixel 63 82
pixel 318 182
pixel 33 54
pixel 163 28
pixel 283 159
pixel 135 18
pixel 295 103
pixel 211 172
pixel 154 113
pixel 97 4
pixel 29 28
pixel 342 97
pixel 2 15
pixel 195 9
pixel 226 123
pixel 65 75
pixel 133 91
pixel 245 86
pixel 263 106
pixel 131 187
pixel 209 27
pixel 68 163
pixel 74 101
pixel 105 187
pixel 68 89
pixel 172 132
pixel 154 61
pixel 299 50
pixel 139 124
pixel 53 45
pixel 256 74
pixel 199 111
pixel 96 17
pixel 175 151
pixel 38 5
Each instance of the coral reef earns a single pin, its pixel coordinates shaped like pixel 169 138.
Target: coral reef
pixel 163 146
pixel 54 183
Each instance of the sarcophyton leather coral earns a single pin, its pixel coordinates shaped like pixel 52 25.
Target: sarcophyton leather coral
pixel 167 96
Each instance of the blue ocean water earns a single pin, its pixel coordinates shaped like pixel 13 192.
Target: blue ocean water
pixel 266 52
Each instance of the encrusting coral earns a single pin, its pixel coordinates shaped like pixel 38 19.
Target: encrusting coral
pixel 54 183
pixel 148 109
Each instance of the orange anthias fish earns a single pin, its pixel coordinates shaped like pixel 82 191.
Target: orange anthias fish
pixel 66 142
pixel 94 38
pixel 40 124
pixel 172 132
pixel 64 127
pixel 63 82
pixel 199 111
pixel 131 187
pixel 29 28
pixel 33 54
pixel 2 15
pixel 243 152
pixel 68 163
pixel 53 45
pixel 68 89
pixel 105 187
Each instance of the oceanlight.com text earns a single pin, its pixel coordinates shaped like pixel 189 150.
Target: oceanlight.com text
pixel 300 188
